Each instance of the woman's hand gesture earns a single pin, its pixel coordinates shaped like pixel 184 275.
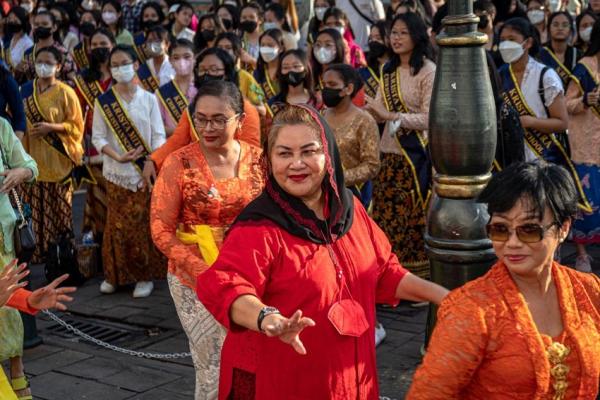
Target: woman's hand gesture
pixel 131 155
pixel 51 297
pixel 9 280
pixel 287 329
pixel 13 178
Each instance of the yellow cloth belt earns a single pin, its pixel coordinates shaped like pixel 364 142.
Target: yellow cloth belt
pixel 203 237
pixel 6 391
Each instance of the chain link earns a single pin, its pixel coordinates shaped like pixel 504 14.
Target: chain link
pixel 134 353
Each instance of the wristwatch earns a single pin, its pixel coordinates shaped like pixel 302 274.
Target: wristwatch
pixel 263 313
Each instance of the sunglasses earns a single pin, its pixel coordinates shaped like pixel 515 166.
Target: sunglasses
pixel 528 233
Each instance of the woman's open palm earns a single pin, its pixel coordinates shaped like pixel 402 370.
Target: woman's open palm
pixel 288 329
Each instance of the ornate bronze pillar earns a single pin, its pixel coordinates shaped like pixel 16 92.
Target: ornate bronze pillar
pixel 462 137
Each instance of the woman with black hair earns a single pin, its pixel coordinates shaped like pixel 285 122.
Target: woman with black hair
pixel 316 22
pixel 64 33
pixel 251 19
pixel 151 16
pixel 530 327
pixel 16 39
pixel 537 14
pixel 336 19
pixel 90 84
pixel 585 21
pixel 377 56
pixel 295 82
pixel 271 46
pixel 275 19
pixel 181 20
pixel 89 21
pixel 209 27
pixel 402 188
pixel 126 128
pixel 583 104
pixel 112 18
pixel 329 48
pixel 536 91
pixel 558 53
pixel 157 61
pixel 229 15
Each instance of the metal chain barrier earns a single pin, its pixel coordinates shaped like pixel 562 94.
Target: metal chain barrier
pixel 134 353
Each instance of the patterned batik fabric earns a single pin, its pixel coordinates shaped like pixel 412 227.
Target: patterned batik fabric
pixel 586 228
pixel 400 213
pixel 205 337
pixel 51 211
pixel 95 206
pixel 128 253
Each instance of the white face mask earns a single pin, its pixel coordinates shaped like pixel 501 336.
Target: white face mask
pixel 324 55
pixel 123 74
pixel 554 5
pixel 182 67
pixel 536 16
pixel 320 12
pixel 586 34
pixel 155 48
pixel 27 7
pixel 45 70
pixel 510 51
pixel 270 25
pixel 88 5
pixel 109 17
pixel 340 29
pixel 268 53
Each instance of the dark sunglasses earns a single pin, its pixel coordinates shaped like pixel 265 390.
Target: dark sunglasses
pixel 528 233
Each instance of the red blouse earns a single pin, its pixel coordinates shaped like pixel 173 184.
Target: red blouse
pixel 290 273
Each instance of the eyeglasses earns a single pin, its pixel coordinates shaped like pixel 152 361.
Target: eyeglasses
pixel 559 25
pixel 210 71
pixel 217 123
pixel 528 233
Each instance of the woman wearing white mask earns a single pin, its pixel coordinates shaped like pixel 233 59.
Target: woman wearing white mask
pixel 157 46
pixel 315 24
pixel 178 93
pixel 275 19
pixel 336 19
pixel 53 138
pixel 271 46
pixel 112 17
pixel 536 91
pixel 128 253
pixel 585 22
pixel 329 48
pixel 537 13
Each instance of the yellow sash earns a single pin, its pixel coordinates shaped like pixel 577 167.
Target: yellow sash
pixel 203 237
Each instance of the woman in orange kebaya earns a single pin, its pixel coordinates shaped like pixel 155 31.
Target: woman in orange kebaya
pixel 530 327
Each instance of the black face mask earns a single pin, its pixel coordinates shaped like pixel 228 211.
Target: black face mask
pixel 294 78
pixel 377 49
pixel 331 97
pixel 149 24
pixel 227 23
pixel 483 21
pixel 12 27
pixel 87 29
pixel 208 35
pixel 207 77
pixel 99 55
pixel 248 26
pixel 41 33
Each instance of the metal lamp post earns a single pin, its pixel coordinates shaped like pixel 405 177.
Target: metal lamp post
pixel 462 137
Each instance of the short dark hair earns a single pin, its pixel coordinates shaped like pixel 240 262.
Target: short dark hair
pixel 22 16
pixel 230 74
pixel 541 184
pixel 348 75
pixel 181 43
pixel 223 90
pixel 183 5
pixel 60 58
pixel 129 50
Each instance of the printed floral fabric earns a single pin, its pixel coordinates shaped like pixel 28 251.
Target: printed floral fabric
pixel 486 345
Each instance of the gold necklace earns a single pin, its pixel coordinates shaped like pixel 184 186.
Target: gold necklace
pixel 557 354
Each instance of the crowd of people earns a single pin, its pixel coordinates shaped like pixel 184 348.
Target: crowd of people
pixel 270 160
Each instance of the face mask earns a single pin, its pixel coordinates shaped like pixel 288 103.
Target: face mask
pixel 206 77
pixel 536 16
pixel 208 34
pixel 268 53
pixel 155 48
pixel 149 24
pixel 586 34
pixel 324 55
pixel 44 70
pixel 41 33
pixel 88 5
pixel 510 51
pixel 377 49
pixel 27 7
pixel 109 17
pixel 182 67
pixel 248 26
pixel 123 74
pixel 42 9
pixel 320 12
pixel 554 5
pixel 99 55
pixel 294 78
pixel 227 23
pixel 270 25
pixel 87 29
pixel 13 27
pixel 331 97
pixel 340 29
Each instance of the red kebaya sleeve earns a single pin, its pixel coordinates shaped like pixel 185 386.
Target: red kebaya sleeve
pixel 180 137
pixel 250 130
pixel 19 301
pixel 242 268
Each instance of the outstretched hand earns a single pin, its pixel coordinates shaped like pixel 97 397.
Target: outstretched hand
pixel 288 329
pixel 51 297
pixel 9 280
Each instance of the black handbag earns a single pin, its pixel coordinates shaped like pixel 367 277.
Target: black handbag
pixel 23 238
